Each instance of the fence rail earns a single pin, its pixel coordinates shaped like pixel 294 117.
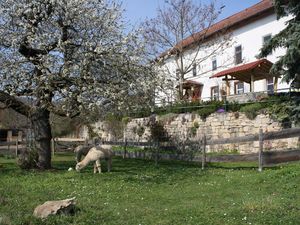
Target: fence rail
pixel 287 133
pixel 262 157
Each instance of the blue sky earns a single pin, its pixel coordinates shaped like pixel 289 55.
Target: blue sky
pixel 139 10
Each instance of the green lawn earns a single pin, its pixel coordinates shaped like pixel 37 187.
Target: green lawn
pixel 136 192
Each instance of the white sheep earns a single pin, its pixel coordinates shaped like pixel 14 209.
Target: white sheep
pixel 94 155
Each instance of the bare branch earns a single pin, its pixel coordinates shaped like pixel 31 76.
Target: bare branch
pixel 180 32
pixel 15 104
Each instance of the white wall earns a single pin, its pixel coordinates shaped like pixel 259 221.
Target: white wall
pixel 250 37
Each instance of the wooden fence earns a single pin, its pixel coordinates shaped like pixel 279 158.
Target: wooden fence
pixel 262 157
pixel 12 145
pixel 261 137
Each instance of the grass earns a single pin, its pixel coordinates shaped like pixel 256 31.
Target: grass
pixel 137 192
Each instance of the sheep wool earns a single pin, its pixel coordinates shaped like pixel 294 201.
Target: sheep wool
pixel 94 155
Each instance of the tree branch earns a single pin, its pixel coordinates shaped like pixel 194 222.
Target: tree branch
pixel 15 104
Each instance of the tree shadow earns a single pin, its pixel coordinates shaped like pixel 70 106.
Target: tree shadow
pixel 239 166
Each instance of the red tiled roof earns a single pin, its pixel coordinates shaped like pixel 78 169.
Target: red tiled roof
pixel 189 83
pixel 192 82
pixel 258 70
pixel 242 68
pixel 252 12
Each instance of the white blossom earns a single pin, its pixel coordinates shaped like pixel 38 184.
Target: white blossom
pixel 73 50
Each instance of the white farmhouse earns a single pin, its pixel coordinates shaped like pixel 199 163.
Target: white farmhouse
pixel 233 70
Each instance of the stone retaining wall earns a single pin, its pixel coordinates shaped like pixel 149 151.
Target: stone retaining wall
pixel 216 126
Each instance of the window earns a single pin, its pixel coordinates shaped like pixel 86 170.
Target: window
pixel 215 93
pixel 214 64
pixel 267 38
pixel 238 55
pixel 270 85
pixel 239 88
pixel 194 70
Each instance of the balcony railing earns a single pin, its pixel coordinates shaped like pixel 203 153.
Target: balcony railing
pixel 240 98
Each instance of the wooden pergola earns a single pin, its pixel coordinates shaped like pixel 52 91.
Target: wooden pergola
pixel 194 87
pixel 248 73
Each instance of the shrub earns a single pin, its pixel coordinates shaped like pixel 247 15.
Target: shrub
pixel 140 130
pixel 233 106
pixel 134 130
pixel 167 118
pixel 141 112
pixel 285 112
pixel 196 125
pixel 206 111
pixel 92 133
pixel 295 111
pixel 158 132
pixel 126 120
pixel 194 131
pixel 252 110
pixel 208 108
pixel 114 125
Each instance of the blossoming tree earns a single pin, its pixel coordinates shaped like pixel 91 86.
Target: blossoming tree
pixel 64 56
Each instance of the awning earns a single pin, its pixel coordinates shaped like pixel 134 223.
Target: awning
pixel 258 70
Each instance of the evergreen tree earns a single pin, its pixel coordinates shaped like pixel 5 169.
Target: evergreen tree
pixel 288 65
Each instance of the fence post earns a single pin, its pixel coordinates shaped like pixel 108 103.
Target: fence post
pixel 52 146
pixel 17 148
pixel 260 153
pixel 125 149
pixel 203 151
pixel 157 153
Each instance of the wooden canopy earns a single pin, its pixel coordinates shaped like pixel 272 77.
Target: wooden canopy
pixel 249 72
pixel 193 90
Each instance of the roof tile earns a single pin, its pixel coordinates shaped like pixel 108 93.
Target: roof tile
pixel 235 19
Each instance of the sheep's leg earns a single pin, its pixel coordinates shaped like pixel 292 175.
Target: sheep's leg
pixel 109 164
pixel 78 157
pixel 95 167
pixel 98 165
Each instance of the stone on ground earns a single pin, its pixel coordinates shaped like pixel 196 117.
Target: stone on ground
pixel 66 206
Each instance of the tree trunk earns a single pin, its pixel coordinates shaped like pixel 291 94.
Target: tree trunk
pixel 42 137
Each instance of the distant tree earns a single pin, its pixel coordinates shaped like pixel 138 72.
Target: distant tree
pixel 62 126
pixel 288 65
pixel 67 56
pixel 180 22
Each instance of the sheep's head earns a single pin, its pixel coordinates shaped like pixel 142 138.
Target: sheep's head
pixel 78 167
